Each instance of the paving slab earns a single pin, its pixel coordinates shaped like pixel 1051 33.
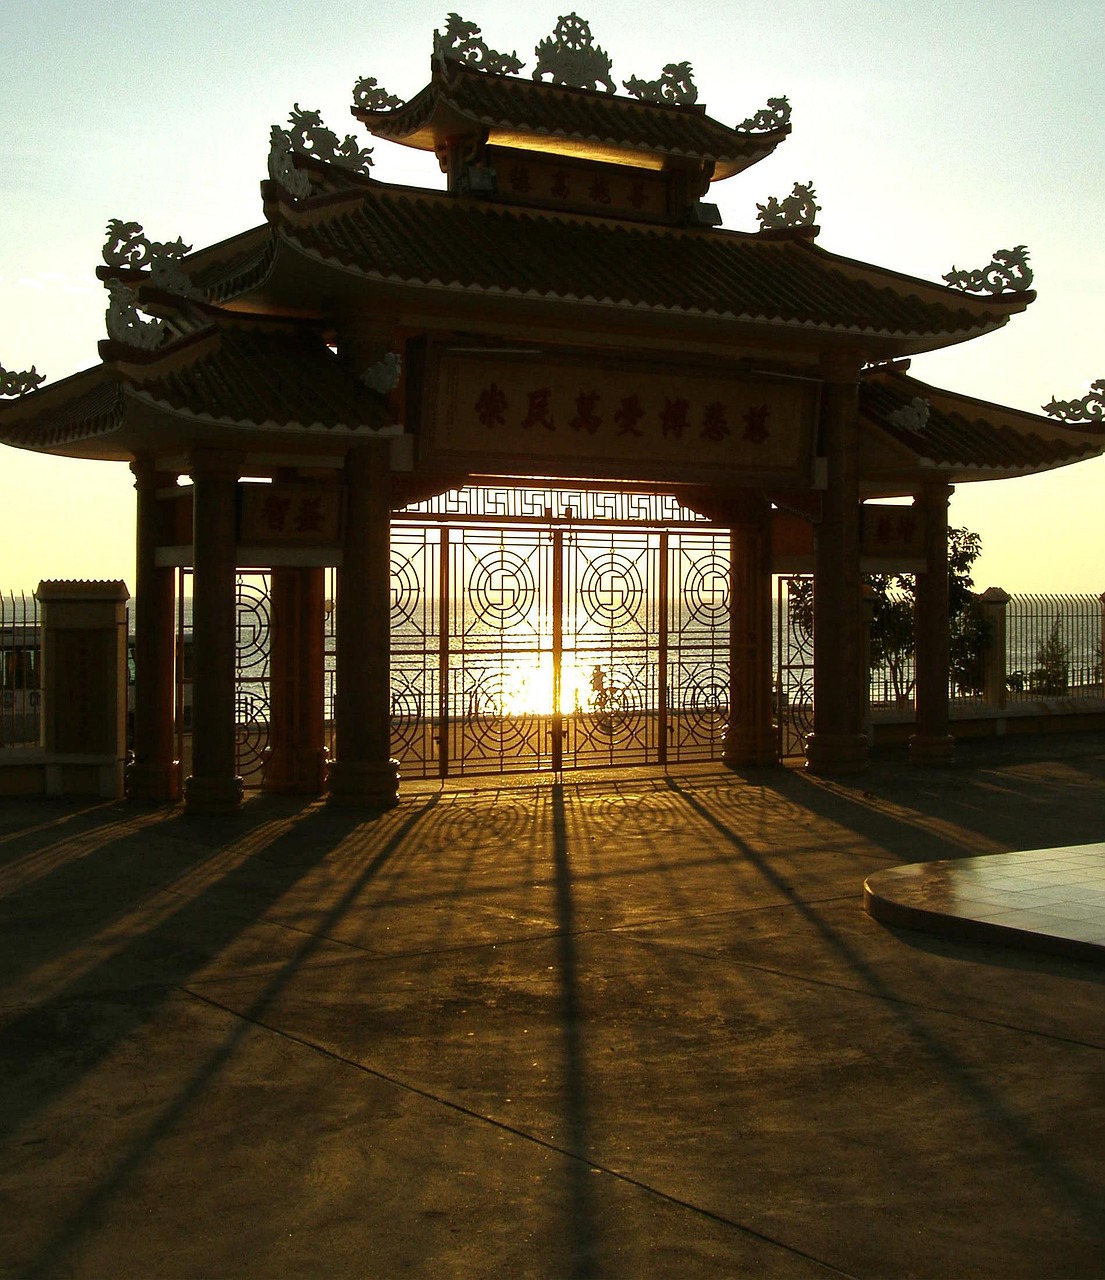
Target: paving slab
pixel 611 1026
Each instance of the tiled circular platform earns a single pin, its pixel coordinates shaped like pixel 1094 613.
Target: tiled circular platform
pixel 1044 899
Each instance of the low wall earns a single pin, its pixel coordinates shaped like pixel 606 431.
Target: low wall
pixel 889 727
pixel 30 771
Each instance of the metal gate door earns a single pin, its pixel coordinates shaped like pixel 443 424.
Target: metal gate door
pixel 793 664
pixel 540 647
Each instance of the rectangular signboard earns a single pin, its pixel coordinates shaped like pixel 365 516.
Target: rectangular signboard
pixel 561 415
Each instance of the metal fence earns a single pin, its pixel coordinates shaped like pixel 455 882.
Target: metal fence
pixel 20 670
pixel 1053 647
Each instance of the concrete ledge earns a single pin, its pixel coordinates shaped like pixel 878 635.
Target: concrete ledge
pixel 35 772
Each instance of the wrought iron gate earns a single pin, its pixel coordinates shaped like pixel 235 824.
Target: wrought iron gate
pixel 793 664
pixel 543 647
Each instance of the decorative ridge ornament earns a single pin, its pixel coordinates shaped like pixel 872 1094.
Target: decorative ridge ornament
pixel 675 85
pixel 911 417
pixel 19 384
pixel 282 169
pixel 124 324
pixel 1090 408
pixel 369 95
pixel 1008 272
pixel 129 249
pixel 776 115
pixel 310 137
pixel 384 375
pixel 462 43
pixel 571 57
pixel 796 210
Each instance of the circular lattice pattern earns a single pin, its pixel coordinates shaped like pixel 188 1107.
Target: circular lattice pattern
pixel 408 710
pixel 251 735
pixel 251 628
pixel 406 588
pixel 706 591
pixel 489 726
pixel 501 589
pixel 704 705
pixel 611 591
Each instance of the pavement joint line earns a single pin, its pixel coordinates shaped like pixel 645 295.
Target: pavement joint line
pixel 627 1179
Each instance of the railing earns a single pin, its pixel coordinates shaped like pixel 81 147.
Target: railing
pixel 20 670
pixel 1053 647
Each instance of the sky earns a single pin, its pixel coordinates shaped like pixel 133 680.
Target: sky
pixel 935 132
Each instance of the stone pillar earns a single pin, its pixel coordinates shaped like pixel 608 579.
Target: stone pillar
pixel 932 743
pixel 84 686
pixel 364 774
pixel 838 743
pixel 749 736
pixel 995 603
pixel 214 785
pixel 296 759
pixel 153 776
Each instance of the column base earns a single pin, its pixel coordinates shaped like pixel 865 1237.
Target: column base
pixel 153 783
pixel 745 751
pixel 363 785
pixel 295 773
pixel 936 750
pixel 836 753
pixel 212 795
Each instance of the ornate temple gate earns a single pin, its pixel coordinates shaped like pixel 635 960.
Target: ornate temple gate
pixel 793 700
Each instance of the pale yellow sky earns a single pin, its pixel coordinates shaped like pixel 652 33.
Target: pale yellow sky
pixel 934 134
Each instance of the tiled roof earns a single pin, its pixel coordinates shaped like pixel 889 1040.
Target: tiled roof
pixel 556 111
pixel 968 435
pixel 251 376
pixel 87 404
pixel 429 238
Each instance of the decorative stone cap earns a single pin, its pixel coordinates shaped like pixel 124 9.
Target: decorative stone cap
pixel 82 589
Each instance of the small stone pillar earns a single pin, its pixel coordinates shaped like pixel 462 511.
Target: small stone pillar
pixel 364 775
pixel 838 743
pixel 296 760
pixel 932 743
pixel 995 604
pixel 84 686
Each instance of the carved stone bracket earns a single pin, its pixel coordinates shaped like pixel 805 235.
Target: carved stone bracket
pixel 1008 272
pixel 125 325
pixel 384 375
pixel 371 96
pixel 1090 408
pixel 571 57
pixel 128 248
pixel 911 417
pixel 18 384
pixel 796 210
pixel 776 115
pixel 310 137
pixel 462 43
pixel 674 85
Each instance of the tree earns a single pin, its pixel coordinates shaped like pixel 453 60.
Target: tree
pixel 1051 676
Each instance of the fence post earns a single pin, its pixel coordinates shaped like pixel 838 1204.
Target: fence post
pixel 995 602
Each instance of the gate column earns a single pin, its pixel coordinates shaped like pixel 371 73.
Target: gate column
pixel 749 735
pixel 364 774
pixel 296 760
pixel 214 785
pixel 838 743
pixel 932 743
pixel 153 777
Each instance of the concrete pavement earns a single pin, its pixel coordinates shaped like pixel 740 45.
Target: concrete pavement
pixel 629 1025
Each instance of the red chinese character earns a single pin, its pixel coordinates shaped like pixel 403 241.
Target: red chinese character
pixel 627 415
pixel 309 517
pixel 908 528
pixel 600 191
pixel 491 406
pixel 637 195
pixel 519 178
pixel 586 419
pixel 884 530
pixel 673 417
pixel 560 187
pixel 714 426
pixel 274 511
pixel 755 428
pixel 539 413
